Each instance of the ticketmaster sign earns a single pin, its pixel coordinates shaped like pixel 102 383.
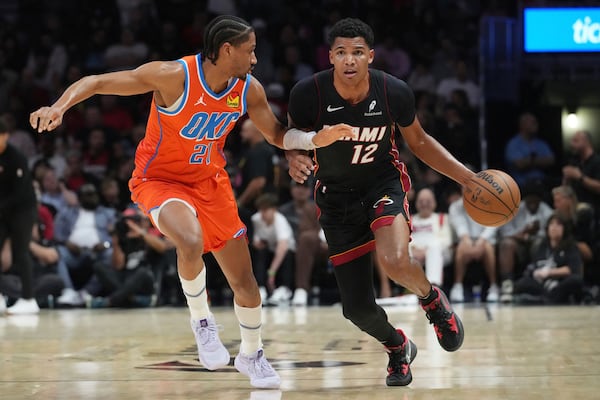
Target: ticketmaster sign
pixel 561 29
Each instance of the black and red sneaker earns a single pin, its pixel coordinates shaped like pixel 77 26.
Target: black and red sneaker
pixel 448 327
pixel 399 365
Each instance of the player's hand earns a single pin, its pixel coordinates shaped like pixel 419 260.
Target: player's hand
pixel 300 165
pixel 331 134
pixel 46 118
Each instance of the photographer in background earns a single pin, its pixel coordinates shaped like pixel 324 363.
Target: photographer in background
pixel 127 278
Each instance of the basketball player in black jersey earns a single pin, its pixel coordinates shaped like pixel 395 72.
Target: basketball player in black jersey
pixel 361 188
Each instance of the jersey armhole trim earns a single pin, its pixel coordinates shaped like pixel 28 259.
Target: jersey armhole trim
pixel 177 106
pixel 245 93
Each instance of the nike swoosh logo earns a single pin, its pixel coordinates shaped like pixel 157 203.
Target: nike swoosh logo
pixel 332 109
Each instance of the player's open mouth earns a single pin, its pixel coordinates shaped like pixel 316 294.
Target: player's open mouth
pixel 349 73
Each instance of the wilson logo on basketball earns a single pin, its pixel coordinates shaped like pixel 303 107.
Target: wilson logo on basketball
pixel 490 179
pixel 233 100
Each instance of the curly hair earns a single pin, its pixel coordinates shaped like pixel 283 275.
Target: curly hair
pixel 351 28
pixel 224 29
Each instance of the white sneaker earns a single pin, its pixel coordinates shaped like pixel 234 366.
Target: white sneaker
pixel 24 306
pixel 506 293
pixel 457 293
pixel 257 368
pixel 263 294
pixel 300 297
pixel 493 294
pixel 211 352
pixel 2 304
pixel 280 296
pixel 69 297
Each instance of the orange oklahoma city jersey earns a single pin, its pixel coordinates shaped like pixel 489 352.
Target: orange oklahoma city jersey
pixel 184 143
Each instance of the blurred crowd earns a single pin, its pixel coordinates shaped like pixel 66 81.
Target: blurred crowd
pixel 548 253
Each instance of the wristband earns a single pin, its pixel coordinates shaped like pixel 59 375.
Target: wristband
pixel 295 139
pixel 271 273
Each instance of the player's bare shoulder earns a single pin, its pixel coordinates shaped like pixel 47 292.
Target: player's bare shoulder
pixel 255 96
pixel 168 77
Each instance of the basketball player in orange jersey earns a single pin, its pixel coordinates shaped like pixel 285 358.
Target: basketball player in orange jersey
pixel 362 184
pixel 179 178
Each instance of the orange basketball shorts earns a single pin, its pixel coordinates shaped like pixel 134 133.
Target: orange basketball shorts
pixel 212 201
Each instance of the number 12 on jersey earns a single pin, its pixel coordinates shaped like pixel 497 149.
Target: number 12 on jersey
pixel 364 154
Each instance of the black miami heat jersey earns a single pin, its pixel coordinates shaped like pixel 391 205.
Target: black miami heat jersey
pixel 356 163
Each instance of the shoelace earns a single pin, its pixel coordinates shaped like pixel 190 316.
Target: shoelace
pixel 398 362
pixel 261 368
pixel 439 316
pixel 208 334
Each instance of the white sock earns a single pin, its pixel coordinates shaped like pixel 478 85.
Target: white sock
pixel 195 294
pixel 250 323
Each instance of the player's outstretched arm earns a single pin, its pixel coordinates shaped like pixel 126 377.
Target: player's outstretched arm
pixel 152 76
pixel 434 154
pixel 288 138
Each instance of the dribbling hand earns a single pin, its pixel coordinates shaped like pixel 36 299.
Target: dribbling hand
pixel 46 119
pixel 331 134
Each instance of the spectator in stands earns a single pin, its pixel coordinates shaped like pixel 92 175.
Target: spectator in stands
pixel 127 279
pixel 126 54
pixel 46 281
pixel 555 275
pixel 421 79
pixel 528 157
pixel 458 135
pixel 48 60
pixel 96 156
pixel 47 150
pixel 273 248
pixel 55 194
pixel 75 176
pixel 475 243
pixel 583 171
pixel 311 250
pixel 115 115
pixel 257 166
pixel 83 235
pixel 392 58
pixel 579 215
pixel 519 236
pixel 431 237
pixel 460 80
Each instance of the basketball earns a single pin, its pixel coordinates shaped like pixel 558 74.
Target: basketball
pixel 492 197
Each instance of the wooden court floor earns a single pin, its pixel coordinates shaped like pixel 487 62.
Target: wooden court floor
pixel 509 353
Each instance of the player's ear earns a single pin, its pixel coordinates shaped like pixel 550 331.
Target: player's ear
pixel 371 55
pixel 226 48
pixel 330 57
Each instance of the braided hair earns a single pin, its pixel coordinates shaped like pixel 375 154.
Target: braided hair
pixel 225 28
pixel 351 28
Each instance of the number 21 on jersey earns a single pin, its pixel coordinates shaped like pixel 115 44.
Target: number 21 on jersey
pixel 201 154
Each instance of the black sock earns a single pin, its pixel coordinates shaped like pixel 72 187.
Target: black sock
pixel 431 296
pixel 395 341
